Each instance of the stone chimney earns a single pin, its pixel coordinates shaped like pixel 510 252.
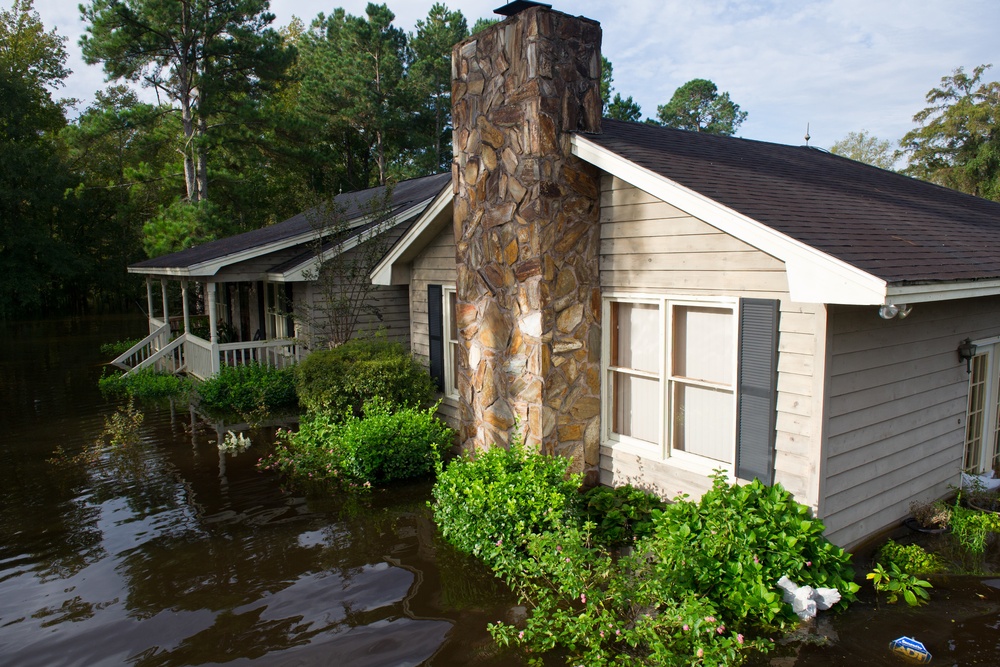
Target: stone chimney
pixel 527 234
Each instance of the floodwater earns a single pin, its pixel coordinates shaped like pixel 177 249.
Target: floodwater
pixel 180 555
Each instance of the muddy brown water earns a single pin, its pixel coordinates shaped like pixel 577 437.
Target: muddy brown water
pixel 185 556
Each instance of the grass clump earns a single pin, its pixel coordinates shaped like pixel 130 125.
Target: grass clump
pixel 342 379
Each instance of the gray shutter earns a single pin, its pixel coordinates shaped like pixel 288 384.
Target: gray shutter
pixel 435 327
pixel 757 372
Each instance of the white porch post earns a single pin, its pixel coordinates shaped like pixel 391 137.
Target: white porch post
pixel 163 292
pixel 149 302
pixel 184 306
pixel 268 308
pixel 213 333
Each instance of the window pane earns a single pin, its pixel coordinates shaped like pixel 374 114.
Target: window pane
pixel 637 407
pixel 703 344
pixel 975 421
pixel 637 329
pixel 703 422
pixel 453 326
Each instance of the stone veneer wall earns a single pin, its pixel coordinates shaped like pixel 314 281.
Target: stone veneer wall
pixel 527 234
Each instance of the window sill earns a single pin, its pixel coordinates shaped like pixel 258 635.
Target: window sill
pixel 687 462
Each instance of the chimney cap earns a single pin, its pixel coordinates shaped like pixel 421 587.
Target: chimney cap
pixel 518 6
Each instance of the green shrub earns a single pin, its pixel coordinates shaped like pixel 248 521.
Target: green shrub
pixel 342 379
pixel 685 595
pixel 621 514
pixel 249 389
pixel 144 384
pixel 895 583
pixel 911 558
pixel 382 446
pixel 734 544
pixel 489 504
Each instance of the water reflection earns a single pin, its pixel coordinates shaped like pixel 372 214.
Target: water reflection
pixel 170 552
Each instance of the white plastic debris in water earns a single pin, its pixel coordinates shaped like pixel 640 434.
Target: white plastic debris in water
pixel 806 600
pixel 987 481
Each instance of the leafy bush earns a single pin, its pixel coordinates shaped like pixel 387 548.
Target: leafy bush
pixel 972 528
pixel 342 379
pixel 249 389
pixel 620 514
pixel 911 558
pixel 734 544
pixel 144 384
pixel 705 575
pixel 382 446
pixel 894 583
pixel 487 505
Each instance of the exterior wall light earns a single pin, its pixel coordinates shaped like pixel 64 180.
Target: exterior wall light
pixel 966 351
pixel 889 311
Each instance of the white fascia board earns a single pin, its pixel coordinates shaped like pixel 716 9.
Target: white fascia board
pixel 388 269
pixel 942 291
pixel 166 272
pixel 813 276
pixel 302 271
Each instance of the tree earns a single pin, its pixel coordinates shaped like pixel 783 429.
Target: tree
pixel 958 142
pixel 619 108
pixel 482 24
pixel 430 78
pixel 35 259
pixel 213 59
pixel 698 106
pixel 865 147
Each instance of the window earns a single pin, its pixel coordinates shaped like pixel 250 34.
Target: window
pixel 671 378
pixel 982 426
pixel 450 341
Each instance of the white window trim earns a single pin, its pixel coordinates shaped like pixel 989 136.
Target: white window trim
pixel 450 387
pixel 661 450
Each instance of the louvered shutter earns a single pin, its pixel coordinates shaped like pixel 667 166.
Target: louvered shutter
pixel 757 399
pixel 435 327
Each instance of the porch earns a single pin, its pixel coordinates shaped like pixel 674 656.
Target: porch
pixel 228 318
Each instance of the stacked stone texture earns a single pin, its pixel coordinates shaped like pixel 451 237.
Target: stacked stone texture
pixel 527 234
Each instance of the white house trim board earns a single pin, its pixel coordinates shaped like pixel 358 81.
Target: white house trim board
pixel 298 273
pixel 390 271
pixel 213 266
pixel 813 276
pixel 942 291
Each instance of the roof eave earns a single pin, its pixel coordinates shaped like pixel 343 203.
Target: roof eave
pixel 393 269
pixel 813 276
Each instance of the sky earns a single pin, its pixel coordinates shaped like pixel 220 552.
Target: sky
pixel 834 66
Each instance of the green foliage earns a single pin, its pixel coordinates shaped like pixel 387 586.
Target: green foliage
pixel 957 144
pixel 249 389
pixel 910 558
pixel 145 384
pixel 698 106
pixel 489 504
pixel 972 528
pixel 734 544
pixel 620 514
pixel 618 108
pixel 180 226
pixel 700 589
pixel 118 347
pixel 382 446
pixel 342 379
pixel 894 582
pixel 865 147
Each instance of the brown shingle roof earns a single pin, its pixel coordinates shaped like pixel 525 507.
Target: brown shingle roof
pixel 404 195
pixel 896 228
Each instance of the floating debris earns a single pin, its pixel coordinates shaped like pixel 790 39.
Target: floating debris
pixel 911 650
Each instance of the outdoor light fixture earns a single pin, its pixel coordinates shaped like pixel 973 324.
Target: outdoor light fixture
pixel 889 311
pixel 967 350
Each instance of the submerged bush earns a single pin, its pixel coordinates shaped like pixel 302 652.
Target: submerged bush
pixel 382 446
pixel 119 347
pixel 490 503
pixel 699 588
pixel 144 384
pixel 342 379
pixel 250 389
pixel 621 514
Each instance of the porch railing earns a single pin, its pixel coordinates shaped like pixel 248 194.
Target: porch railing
pixel 204 360
pixel 198 354
pixel 146 348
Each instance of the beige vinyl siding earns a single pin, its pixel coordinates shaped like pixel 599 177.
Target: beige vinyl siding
pixel 651 247
pixel 435 265
pixel 897 403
